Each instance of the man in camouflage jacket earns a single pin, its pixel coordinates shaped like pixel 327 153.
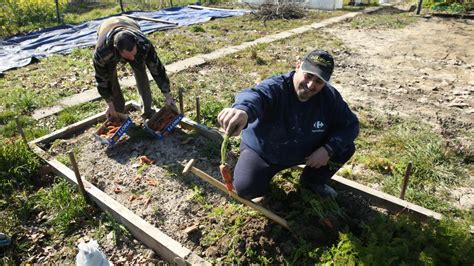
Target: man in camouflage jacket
pixel 120 39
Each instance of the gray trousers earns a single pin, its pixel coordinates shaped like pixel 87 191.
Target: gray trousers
pixel 143 86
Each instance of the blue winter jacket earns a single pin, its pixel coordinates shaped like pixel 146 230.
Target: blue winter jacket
pixel 284 130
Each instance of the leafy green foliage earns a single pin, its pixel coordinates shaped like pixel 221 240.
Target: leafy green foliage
pixel 197 28
pixel 199 197
pixel 404 241
pixel 16 14
pixel 17 165
pixel 19 100
pixel 210 108
pixel 64 204
pixel 446 6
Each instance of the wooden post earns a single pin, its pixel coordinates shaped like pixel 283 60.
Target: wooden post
pixel 18 125
pixel 180 99
pixel 405 180
pixel 57 11
pixel 198 110
pixel 78 175
pixel 418 10
pixel 171 3
pixel 121 6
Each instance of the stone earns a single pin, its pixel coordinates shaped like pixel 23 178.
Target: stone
pixel 467 201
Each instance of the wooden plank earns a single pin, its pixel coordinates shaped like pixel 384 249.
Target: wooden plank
pixel 189 167
pixel 71 129
pixel 389 202
pixel 152 237
pixel 384 200
pixel 78 126
pixel 208 132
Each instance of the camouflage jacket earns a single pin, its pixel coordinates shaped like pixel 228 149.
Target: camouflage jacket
pixel 106 56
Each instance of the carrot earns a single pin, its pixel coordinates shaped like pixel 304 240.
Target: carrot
pixel 326 221
pixel 224 167
pixel 145 160
pixel 227 176
pixel 113 130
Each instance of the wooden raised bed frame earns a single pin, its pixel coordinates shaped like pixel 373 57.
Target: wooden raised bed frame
pixel 165 246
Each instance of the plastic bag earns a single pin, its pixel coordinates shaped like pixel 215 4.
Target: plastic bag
pixel 90 255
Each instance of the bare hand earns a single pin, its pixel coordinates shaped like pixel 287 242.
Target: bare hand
pixel 111 114
pixel 169 101
pixel 318 158
pixel 232 120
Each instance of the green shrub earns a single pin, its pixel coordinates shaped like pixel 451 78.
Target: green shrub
pixel 197 28
pixel 403 241
pixel 17 165
pixel 29 14
pixel 210 108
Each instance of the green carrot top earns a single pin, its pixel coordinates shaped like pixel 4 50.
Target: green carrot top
pixel 224 148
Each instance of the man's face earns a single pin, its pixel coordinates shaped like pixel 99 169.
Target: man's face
pixel 306 85
pixel 129 55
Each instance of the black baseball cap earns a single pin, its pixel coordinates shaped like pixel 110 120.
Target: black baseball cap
pixel 319 63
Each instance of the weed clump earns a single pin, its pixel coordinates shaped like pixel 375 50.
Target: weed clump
pixel 281 10
pixel 17 165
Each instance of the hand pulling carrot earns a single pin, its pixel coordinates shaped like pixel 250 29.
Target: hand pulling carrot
pixel 224 167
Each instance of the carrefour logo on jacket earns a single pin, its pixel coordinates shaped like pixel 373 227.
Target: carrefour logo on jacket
pixel 318 126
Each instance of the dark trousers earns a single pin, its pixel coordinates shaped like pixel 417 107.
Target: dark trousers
pixel 143 86
pixel 252 174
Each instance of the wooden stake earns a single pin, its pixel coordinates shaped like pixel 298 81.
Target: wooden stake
pixel 405 180
pixel 190 168
pixel 198 110
pixel 22 134
pixel 121 6
pixel 78 175
pixel 418 10
pixel 57 11
pixel 180 99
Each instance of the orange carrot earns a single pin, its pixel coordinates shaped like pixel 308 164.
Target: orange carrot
pixel 145 160
pixel 326 221
pixel 227 176
pixel 113 130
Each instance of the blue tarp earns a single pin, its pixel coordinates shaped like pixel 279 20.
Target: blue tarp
pixel 20 50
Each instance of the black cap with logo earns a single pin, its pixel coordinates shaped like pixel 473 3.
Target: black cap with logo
pixel 319 63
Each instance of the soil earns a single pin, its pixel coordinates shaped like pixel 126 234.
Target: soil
pixel 158 192
pixel 423 71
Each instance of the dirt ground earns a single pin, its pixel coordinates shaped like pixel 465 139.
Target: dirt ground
pixel 424 71
pixel 167 199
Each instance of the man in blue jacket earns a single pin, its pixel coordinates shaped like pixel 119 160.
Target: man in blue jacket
pixel 290 119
